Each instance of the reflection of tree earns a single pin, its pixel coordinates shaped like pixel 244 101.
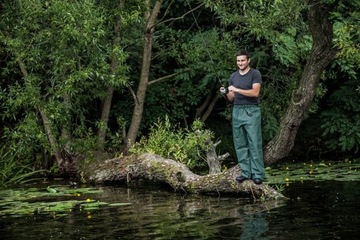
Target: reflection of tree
pixel 152 214
pixel 184 216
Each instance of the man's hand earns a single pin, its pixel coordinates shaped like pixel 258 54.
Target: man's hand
pixel 227 93
pixel 232 88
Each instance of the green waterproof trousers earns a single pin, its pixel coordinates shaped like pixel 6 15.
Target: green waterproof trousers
pixel 246 125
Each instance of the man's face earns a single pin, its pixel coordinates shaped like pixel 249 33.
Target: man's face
pixel 242 62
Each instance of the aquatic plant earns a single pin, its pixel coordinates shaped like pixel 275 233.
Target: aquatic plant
pixel 54 200
pixel 13 172
pixel 285 173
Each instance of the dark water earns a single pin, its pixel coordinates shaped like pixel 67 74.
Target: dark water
pixel 316 210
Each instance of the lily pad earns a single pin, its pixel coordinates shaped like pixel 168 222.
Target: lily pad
pixel 119 204
pixel 49 200
pixel 309 171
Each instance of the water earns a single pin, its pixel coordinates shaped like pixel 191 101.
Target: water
pixel 316 210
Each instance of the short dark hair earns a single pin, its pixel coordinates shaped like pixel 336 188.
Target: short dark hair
pixel 243 52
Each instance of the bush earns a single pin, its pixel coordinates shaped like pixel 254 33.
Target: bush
pixel 341 122
pixel 182 145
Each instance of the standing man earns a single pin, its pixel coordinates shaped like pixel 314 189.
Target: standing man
pixel 243 91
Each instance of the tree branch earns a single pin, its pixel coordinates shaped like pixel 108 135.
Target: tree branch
pixel 46 122
pixel 151 19
pixel 22 67
pixel 133 94
pixel 167 77
pixel 181 17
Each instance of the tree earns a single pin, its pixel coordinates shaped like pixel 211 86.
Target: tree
pixel 280 23
pixel 322 54
pixel 59 47
pixel 114 65
pixel 150 16
pixel 150 19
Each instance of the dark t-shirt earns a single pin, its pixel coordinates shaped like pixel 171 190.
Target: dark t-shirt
pixel 245 82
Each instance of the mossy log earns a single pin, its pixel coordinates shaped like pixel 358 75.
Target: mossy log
pixel 161 170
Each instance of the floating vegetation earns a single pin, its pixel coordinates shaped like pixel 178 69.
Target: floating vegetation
pixel 286 173
pixel 55 200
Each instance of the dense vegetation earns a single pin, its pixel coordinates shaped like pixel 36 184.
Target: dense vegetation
pixel 83 78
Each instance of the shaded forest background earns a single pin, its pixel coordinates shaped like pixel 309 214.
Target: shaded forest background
pixel 88 80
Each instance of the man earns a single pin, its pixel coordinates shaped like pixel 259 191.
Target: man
pixel 243 91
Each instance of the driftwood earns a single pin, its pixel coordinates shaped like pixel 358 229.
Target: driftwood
pixel 157 169
pixel 213 160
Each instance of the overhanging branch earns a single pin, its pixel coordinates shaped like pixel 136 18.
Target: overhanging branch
pixel 181 17
pixel 167 77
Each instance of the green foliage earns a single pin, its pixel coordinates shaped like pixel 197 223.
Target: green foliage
pixel 209 51
pixel 28 138
pixel 346 19
pixel 182 145
pixel 202 59
pixel 270 126
pixel 341 123
pixel 346 34
pixel 282 43
pixel 58 55
pixel 13 171
pixel 279 23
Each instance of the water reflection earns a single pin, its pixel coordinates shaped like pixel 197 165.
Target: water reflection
pixel 255 227
pixel 315 211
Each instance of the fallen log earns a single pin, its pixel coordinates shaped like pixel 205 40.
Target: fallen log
pixel 177 175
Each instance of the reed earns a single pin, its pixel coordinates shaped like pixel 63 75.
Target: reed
pixel 13 171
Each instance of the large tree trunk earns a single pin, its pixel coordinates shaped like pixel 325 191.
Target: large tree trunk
pixel 150 17
pixel 160 170
pixel 322 54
